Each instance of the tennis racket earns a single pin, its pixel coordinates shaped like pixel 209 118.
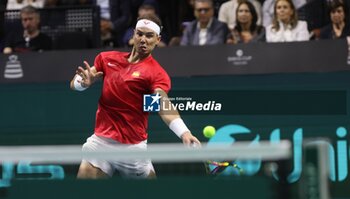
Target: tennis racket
pixel 221 166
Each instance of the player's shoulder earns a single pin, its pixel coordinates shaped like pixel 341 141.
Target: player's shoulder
pixel 113 57
pixel 155 64
pixel 112 54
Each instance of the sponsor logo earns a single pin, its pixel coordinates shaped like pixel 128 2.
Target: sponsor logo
pixel 239 59
pixel 193 106
pixel 151 102
pixel 337 151
pixel 111 65
pixel 13 68
pixel 136 74
pixel 140 174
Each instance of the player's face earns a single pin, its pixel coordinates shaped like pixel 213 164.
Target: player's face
pixel 338 15
pixel 243 14
pixel 145 40
pixel 30 22
pixel 284 11
pixel 203 11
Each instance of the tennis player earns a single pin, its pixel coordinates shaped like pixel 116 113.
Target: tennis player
pixel 120 120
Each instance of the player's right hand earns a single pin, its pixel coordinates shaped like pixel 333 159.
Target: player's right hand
pixel 189 140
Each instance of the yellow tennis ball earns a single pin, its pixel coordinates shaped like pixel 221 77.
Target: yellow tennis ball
pixel 209 131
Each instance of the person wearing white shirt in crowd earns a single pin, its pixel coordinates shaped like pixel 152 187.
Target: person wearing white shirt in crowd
pixel 206 29
pixel 268 10
pixel 115 18
pixel 285 25
pixel 227 12
pixel 19 4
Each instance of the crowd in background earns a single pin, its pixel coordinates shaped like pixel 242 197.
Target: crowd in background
pixel 189 22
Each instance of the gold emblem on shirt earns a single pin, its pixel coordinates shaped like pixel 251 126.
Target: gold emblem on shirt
pixel 135 74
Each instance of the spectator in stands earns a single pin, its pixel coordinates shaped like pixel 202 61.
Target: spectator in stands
pixel 285 25
pixel 3 4
pixel 206 29
pixel 115 19
pixel 19 4
pixel 246 29
pixel 227 12
pixel 31 39
pixel 55 3
pixel 318 15
pixel 268 10
pixel 135 5
pixel 51 3
pixel 147 8
pixel 339 27
pixel 175 23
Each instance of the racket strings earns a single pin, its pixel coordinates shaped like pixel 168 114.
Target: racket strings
pixel 220 166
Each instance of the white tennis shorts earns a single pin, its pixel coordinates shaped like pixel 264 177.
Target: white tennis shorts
pixel 126 168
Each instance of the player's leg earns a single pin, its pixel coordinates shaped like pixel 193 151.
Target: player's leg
pixel 135 168
pixel 92 168
pixel 152 173
pixel 88 171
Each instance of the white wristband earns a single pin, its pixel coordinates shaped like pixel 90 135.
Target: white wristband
pixel 77 83
pixel 178 127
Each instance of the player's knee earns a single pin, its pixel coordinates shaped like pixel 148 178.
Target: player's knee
pixel 88 171
pixel 152 175
pixel 84 171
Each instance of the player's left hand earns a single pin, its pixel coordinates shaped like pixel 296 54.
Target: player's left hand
pixel 88 75
pixel 188 139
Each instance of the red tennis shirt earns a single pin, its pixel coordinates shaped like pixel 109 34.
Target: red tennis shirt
pixel 119 114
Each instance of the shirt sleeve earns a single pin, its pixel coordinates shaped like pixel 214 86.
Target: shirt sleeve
pixel 161 80
pixel 99 63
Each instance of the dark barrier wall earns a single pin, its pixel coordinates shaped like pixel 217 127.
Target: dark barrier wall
pixel 300 94
pixel 259 58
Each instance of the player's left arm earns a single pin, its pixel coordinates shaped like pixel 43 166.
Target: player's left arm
pixel 84 78
pixel 172 118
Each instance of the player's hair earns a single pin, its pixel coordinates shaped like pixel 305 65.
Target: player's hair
pixel 152 17
pixel 30 10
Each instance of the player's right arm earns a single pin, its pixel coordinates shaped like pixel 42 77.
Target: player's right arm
pixel 84 78
pixel 172 118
